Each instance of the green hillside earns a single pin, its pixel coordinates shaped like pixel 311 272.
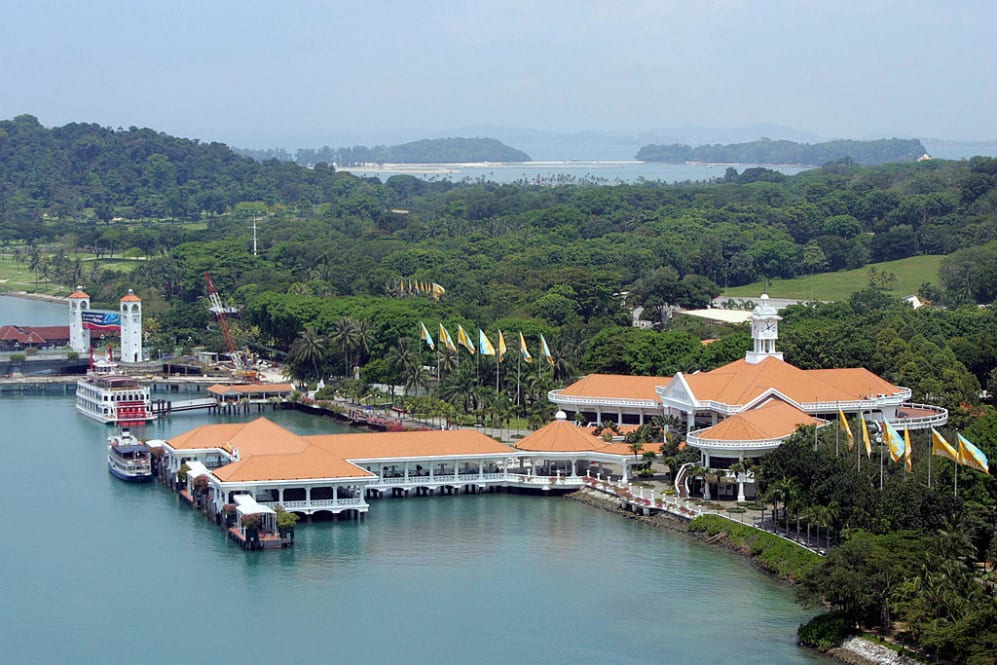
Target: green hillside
pixel 910 274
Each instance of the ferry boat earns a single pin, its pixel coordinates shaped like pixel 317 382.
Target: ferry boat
pixel 128 458
pixel 108 396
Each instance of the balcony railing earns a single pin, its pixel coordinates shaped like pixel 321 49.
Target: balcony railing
pixel 350 502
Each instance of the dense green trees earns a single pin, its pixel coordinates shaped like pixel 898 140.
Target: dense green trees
pixel 426 151
pixel 766 151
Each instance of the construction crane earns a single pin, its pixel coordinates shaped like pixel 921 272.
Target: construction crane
pixel 219 310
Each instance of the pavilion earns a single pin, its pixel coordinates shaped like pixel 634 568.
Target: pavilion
pixel 749 407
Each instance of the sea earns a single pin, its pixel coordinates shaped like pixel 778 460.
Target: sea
pixel 608 172
pixel 95 570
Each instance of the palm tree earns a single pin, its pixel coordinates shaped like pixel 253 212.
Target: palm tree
pixel 308 350
pixel 401 357
pixel 365 335
pixel 344 337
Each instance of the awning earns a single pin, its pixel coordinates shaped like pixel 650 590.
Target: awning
pixel 246 505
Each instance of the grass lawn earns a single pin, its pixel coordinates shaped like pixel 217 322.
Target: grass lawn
pixel 910 272
pixel 16 276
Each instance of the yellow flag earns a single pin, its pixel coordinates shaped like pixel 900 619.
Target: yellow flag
pixel 971 456
pixel 501 346
pixel 426 337
pixel 894 442
pixel 464 339
pixel 545 351
pixel 941 447
pixel 865 438
pixel 908 463
pixel 523 350
pixel 447 339
pixel 847 428
pixel 485 347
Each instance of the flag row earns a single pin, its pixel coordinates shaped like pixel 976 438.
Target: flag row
pixel 967 454
pixel 483 345
pixel 415 287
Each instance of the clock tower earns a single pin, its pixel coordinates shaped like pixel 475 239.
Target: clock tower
pixel 764 332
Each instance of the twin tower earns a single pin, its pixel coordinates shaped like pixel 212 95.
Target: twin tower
pixel 82 320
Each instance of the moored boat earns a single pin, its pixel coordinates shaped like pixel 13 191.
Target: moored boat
pixel 108 396
pixel 128 458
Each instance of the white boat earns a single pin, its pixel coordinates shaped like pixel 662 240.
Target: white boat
pixel 128 458
pixel 108 396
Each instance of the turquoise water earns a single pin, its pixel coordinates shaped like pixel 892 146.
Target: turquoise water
pixel 97 570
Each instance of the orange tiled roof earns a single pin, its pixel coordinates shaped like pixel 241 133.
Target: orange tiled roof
pixel 311 462
pixel 249 388
pixel 561 436
pixel 740 382
pixel 774 419
pixel 616 386
pixel 257 437
pixel 130 297
pixel 433 443
pixel 78 294
pixel 856 381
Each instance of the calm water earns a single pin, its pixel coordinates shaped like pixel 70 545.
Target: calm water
pixel 609 172
pixel 96 570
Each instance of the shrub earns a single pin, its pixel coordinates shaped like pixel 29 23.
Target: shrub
pixel 824 631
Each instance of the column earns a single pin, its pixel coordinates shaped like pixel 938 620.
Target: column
pixel 406 472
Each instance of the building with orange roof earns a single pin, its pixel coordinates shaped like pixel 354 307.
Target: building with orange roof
pixel 748 407
pixel 603 397
pixel 335 474
pixel 567 452
pixel 253 393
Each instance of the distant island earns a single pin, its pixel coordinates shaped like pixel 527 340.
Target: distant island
pixel 766 151
pixel 427 151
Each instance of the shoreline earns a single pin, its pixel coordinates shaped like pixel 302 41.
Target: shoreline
pixel 852 651
pixel 24 295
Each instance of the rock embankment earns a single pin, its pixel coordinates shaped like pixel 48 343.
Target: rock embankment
pixel 857 651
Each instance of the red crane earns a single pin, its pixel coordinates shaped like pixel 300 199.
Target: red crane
pixel 219 310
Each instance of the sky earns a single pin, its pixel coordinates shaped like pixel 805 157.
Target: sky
pixel 304 73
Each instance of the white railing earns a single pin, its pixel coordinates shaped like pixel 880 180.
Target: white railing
pixel 316 503
pixel 554 396
pixel 939 417
pixel 697 441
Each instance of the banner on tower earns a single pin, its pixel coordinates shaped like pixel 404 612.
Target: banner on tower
pixel 95 319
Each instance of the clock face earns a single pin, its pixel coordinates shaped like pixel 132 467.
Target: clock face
pixel 770 326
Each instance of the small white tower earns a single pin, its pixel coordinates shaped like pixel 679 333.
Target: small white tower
pixel 764 332
pixel 79 337
pixel 131 328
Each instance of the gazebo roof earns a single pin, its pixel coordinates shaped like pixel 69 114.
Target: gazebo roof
pixel 560 436
pixel 775 419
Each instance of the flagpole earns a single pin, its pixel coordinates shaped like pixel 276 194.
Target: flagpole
pixel 837 429
pixel 955 479
pixel 498 366
pixel 858 448
pixel 881 429
pixel 815 423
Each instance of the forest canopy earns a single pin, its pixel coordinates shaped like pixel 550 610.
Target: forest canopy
pixel 767 151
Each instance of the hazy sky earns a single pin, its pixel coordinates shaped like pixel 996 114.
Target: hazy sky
pixel 294 73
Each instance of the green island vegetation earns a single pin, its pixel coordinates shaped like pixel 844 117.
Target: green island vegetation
pixel 901 277
pixel 767 151
pixel 347 268
pixel 426 151
pixel 779 556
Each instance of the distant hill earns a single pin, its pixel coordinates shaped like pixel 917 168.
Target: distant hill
pixel 426 151
pixel 764 151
